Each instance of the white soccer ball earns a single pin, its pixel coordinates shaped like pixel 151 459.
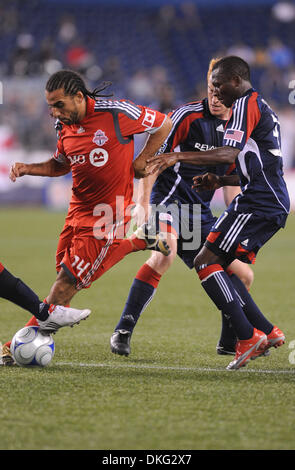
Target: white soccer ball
pixel 29 347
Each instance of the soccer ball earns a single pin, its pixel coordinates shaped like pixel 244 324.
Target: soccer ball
pixel 29 347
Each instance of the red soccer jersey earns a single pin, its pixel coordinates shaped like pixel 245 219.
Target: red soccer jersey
pixel 100 150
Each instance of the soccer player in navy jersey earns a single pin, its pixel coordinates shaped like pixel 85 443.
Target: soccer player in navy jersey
pixel 197 126
pixel 252 141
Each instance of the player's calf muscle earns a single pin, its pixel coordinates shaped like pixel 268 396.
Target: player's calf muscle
pixel 63 290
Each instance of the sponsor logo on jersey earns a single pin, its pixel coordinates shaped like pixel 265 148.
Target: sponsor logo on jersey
pixel 100 138
pixel 77 159
pixel 98 157
pixel 204 147
pixel 234 134
pixel 149 118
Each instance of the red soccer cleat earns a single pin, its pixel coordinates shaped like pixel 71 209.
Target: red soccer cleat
pixel 275 338
pixel 247 348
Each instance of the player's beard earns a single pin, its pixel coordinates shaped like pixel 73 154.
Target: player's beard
pixel 72 119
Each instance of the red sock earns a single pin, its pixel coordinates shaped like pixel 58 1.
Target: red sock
pixel 148 275
pixel 32 322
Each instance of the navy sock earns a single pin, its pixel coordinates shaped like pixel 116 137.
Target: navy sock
pixel 140 295
pixel 16 291
pixel 228 337
pixel 218 286
pixel 252 312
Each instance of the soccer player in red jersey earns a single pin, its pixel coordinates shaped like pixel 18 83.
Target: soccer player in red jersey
pixel 95 143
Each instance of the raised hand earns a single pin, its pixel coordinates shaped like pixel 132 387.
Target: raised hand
pixel 159 163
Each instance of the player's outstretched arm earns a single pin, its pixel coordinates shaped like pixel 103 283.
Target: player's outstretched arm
pixel 49 168
pixel 152 145
pixel 142 209
pixel 217 156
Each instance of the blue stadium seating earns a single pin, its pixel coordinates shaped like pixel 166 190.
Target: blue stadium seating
pixel 133 34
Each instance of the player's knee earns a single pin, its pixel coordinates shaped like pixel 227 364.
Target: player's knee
pixel 248 278
pixel 200 259
pixel 206 256
pixel 160 263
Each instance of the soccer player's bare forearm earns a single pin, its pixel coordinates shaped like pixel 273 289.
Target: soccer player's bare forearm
pixel 144 189
pixel 231 180
pixel 49 168
pixel 152 145
pixel 210 157
pixel 156 140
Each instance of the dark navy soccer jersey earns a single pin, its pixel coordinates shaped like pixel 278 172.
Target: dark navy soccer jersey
pixel 194 129
pixel 254 128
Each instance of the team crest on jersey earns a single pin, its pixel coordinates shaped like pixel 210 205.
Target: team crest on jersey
pixel 100 138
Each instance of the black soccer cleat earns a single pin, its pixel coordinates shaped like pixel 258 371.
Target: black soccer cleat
pixel 223 350
pixel 120 342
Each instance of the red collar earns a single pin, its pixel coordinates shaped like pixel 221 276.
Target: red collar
pixel 90 102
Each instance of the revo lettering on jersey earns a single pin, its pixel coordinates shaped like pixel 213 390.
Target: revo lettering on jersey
pixel 204 147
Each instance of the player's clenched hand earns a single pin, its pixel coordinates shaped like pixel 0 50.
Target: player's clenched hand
pixel 206 182
pixel 159 163
pixel 17 170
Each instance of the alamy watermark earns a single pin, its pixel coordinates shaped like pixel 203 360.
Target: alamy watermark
pixel 1 93
pixel 117 220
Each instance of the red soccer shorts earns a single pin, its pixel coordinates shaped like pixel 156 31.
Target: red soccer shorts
pixel 86 258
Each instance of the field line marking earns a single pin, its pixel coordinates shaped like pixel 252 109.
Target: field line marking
pixel 176 368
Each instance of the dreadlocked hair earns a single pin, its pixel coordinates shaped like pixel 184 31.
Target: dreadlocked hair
pixel 72 82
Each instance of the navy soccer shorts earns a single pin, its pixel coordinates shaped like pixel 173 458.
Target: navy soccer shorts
pixel 189 225
pixel 240 236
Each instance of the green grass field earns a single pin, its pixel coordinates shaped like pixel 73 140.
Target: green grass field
pixel 173 391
